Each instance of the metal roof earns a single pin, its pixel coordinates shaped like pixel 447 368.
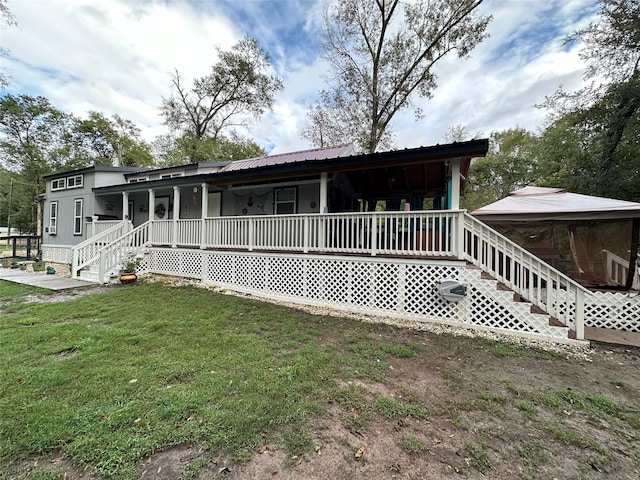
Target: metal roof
pixel 292 157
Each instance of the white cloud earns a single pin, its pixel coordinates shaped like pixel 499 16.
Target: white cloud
pixel 117 56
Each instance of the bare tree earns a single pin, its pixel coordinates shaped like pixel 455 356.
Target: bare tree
pixel 382 55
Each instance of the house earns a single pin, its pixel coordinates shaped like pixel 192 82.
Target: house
pixel 378 234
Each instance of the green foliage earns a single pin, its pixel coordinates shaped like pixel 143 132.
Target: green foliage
pixel 509 165
pixel 37 139
pixel 188 148
pixel 600 124
pixel 111 141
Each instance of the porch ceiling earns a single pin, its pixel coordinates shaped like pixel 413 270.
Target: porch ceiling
pixel 424 179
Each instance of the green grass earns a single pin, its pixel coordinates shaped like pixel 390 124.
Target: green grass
pixel 414 445
pixel 563 399
pixel 13 291
pixel 113 378
pixel 144 368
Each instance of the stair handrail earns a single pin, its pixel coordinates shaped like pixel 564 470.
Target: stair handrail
pixel 115 253
pixel 536 271
pixel 86 252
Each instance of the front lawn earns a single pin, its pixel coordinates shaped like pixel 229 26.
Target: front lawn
pixel 113 380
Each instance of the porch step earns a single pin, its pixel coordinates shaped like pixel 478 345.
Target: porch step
pixel 519 307
pixel 91 274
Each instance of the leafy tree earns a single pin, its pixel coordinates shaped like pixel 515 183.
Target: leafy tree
pixel 34 135
pixel 382 55
pixel 510 164
pixel 35 140
pixel 171 151
pixel 607 110
pixel 238 88
pixel 111 142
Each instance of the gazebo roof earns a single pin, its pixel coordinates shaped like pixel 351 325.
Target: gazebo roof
pixel 555 204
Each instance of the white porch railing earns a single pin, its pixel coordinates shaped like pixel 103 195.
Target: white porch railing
pixel 422 233
pixel 538 282
pixel 86 253
pixel 116 253
pixel 617 269
pixel 96 227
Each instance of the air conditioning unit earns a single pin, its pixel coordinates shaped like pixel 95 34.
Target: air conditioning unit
pixel 52 229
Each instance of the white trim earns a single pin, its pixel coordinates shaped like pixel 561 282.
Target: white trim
pixel 58 184
pixel 75 181
pixel 77 218
pixel 277 203
pixel 139 179
pixel 53 218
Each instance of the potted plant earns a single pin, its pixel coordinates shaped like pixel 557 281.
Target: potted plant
pixel 129 267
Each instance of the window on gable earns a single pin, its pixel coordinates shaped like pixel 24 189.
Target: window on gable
pixel 77 217
pixel 285 201
pixel 138 179
pixel 171 175
pixel 58 184
pixel 77 181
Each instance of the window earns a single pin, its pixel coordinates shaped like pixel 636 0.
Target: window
pixel 58 184
pixel 76 181
pixel 53 217
pixel 171 175
pixel 285 201
pixel 138 179
pixel 77 217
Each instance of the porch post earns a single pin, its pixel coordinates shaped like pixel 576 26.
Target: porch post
pixel 323 203
pixel 152 212
pixel 579 315
pixel 94 224
pixel 204 191
pixel 176 215
pixel 125 205
pixel 455 184
pixel 324 208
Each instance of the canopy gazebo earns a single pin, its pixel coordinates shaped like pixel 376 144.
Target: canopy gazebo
pixel 591 239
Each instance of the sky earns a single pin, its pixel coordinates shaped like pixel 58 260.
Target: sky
pixel 117 57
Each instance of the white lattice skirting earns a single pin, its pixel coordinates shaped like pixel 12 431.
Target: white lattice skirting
pixel 57 253
pixel 613 310
pixel 395 288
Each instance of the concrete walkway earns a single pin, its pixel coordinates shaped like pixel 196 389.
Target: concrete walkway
pixel 42 280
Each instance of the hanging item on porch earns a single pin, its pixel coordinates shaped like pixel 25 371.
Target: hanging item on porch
pixel 160 210
pixel 251 203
